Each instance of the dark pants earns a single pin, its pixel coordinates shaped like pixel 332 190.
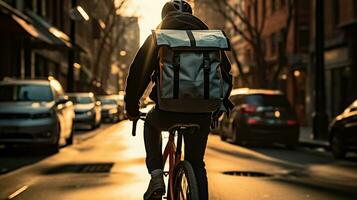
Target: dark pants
pixel 195 144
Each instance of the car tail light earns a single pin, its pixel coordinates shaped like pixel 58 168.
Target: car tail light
pixel 292 122
pixel 252 121
pixel 248 108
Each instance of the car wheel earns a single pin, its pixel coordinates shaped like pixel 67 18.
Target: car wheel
pixel 223 137
pixel 69 140
pixel 93 126
pixel 235 139
pixel 54 148
pixel 336 147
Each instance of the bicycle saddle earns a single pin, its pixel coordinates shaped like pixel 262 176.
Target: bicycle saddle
pixel 182 127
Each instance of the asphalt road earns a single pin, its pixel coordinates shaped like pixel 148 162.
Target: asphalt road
pixel 108 163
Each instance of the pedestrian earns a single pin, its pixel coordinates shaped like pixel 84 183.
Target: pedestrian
pixel 176 15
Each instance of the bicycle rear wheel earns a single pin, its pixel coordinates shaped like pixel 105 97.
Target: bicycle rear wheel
pixel 185 184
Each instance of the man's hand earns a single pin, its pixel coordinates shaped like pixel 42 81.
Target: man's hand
pixel 133 116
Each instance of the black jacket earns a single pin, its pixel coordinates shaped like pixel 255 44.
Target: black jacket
pixel 146 62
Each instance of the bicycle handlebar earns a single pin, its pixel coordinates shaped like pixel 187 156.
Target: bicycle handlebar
pixel 142 116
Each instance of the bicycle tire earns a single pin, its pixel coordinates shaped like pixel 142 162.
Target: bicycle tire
pixel 184 174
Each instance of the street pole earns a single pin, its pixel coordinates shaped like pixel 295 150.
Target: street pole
pixel 320 120
pixel 71 53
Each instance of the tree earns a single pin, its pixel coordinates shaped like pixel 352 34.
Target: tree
pixel 112 28
pixel 243 16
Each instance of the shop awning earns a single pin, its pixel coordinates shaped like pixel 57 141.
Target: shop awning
pixel 57 37
pixel 14 22
pixel 33 25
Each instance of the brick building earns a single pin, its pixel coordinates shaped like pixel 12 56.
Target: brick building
pixel 340 56
pixel 291 79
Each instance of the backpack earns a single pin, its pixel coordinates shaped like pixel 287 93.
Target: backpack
pixel 189 77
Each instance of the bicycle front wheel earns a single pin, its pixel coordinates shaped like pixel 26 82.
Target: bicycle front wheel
pixel 185 184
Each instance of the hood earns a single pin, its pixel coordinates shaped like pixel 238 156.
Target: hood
pixel 109 106
pixel 182 21
pixel 83 107
pixel 25 107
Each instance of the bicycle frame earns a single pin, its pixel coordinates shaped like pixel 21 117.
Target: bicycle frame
pixel 172 153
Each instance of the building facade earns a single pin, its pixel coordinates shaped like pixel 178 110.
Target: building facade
pixel 36 38
pixel 340 56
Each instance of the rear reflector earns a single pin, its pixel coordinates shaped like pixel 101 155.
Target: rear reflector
pixel 247 108
pixel 252 121
pixel 292 122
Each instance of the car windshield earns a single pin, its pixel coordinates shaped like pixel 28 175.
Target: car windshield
pixel 108 101
pixel 267 100
pixel 81 100
pixel 25 92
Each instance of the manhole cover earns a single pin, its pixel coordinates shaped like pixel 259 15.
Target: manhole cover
pixel 247 174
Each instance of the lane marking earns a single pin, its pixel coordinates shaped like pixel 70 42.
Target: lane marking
pixel 17 192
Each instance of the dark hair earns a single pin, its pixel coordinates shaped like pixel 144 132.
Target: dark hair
pixel 175 5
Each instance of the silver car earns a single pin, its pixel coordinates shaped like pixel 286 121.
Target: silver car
pixel 86 108
pixel 35 112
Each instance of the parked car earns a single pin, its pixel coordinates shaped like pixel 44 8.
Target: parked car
pixel 112 108
pixel 343 132
pixel 87 109
pixel 263 116
pixel 35 112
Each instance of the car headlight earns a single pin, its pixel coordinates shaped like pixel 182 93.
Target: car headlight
pixel 113 111
pixel 90 112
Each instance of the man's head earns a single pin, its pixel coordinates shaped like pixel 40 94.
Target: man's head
pixel 176 5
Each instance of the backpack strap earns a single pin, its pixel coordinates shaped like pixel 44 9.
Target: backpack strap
pixel 206 71
pixel 176 65
pixel 191 37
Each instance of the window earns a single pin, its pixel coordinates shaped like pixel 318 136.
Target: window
pixel 282 3
pixel 273 43
pixel 304 38
pixel 10 2
pixel 336 12
pixel 249 14
pixel 273 6
pixel 355 8
pixel 264 8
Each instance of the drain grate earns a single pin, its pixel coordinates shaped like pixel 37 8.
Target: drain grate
pixel 97 168
pixel 247 174
pixel 81 168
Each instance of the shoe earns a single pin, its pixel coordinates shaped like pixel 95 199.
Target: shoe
pixel 156 188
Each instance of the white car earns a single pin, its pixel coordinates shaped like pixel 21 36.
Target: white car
pixel 86 108
pixel 35 112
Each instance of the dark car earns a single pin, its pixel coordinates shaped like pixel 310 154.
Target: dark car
pixel 86 108
pixel 343 132
pixel 260 116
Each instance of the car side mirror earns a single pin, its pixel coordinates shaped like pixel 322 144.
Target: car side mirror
pixel 62 100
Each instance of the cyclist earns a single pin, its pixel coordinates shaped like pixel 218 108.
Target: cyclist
pixel 175 15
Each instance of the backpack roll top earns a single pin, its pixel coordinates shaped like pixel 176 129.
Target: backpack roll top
pixel 194 40
pixel 189 76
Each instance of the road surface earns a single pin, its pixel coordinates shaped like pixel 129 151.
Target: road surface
pixel 109 163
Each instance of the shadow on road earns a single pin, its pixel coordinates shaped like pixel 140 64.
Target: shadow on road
pixel 14 158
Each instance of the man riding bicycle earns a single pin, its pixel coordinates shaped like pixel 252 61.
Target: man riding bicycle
pixel 176 15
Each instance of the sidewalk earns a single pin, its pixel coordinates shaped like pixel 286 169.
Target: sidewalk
pixel 306 138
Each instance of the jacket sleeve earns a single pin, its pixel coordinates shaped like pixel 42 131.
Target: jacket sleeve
pixel 139 75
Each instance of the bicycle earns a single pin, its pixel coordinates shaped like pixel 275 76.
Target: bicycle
pixel 182 184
